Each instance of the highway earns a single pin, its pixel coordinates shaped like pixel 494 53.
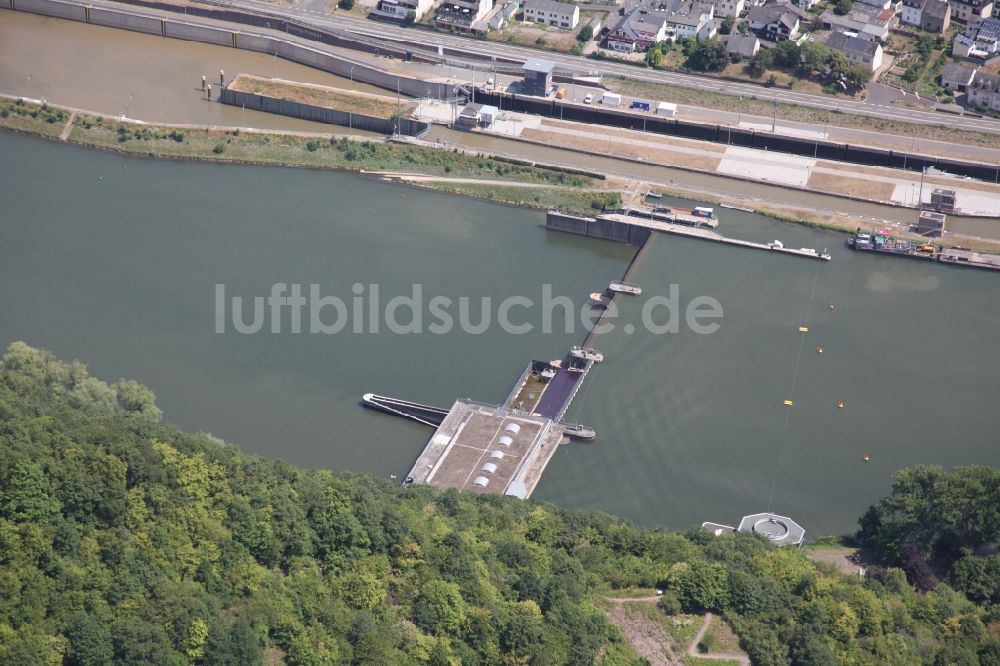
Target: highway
pixel 307 13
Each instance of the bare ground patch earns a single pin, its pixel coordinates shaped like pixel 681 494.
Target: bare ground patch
pixel 646 153
pixel 647 637
pixel 856 187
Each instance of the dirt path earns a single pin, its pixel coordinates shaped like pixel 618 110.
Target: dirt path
pixel 693 648
pixel 69 127
pixel 646 637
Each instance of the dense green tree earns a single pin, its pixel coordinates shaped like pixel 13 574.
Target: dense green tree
pixel 709 56
pixel 126 541
pixel 786 54
pixel 89 641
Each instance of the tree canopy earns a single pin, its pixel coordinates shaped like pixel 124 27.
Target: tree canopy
pixel 124 540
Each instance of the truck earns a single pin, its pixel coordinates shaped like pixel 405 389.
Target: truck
pixel 611 99
pixel 666 109
pixel 640 104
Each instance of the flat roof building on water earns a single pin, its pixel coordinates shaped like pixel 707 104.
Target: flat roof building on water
pixel 487 449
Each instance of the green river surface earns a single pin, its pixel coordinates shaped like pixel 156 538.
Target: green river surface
pixel 114 261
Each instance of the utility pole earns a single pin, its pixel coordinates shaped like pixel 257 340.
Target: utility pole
pixel 398 119
pixel 29 85
pixel 774 117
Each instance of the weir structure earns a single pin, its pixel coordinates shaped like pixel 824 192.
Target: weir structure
pixel 498 448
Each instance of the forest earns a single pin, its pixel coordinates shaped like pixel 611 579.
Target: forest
pixel 124 540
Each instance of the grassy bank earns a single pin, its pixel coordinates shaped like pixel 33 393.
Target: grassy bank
pixel 764 107
pixel 582 202
pixel 37 119
pixel 305 150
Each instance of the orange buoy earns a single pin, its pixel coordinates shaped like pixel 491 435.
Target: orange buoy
pixel 819 350
pixel 867 457
pixel 840 404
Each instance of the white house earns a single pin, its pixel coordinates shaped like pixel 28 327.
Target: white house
pixel 857 50
pixel 728 8
pixel 551 12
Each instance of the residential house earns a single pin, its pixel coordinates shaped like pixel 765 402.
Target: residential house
pixel 775 21
pixel 806 4
pixel 637 31
pixel 400 9
pixel 985 90
pixel 957 77
pixel 651 23
pixel 728 8
pixel 463 15
pixel 936 16
pixel 504 15
pixel 980 40
pixel 691 20
pixel 912 12
pixel 862 19
pixel 856 49
pixel 740 46
pixel 551 12
pixel 966 11
pixel 880 4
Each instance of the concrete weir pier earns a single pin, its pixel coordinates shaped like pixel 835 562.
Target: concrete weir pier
pixel 499 448
pixel 636 230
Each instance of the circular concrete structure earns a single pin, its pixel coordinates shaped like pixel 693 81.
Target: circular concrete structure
pixel 772 528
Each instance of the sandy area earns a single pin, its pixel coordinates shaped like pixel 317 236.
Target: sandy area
pixel 856 187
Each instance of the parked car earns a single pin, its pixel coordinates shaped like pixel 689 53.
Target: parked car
pixel 561 94
pixel 640 104
pixel 589 98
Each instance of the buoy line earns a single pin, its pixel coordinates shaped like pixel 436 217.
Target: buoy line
pixel 795 377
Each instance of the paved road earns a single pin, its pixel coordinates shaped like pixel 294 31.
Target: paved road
pixel 581 64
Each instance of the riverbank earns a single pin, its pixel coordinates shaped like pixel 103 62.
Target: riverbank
pixel 575 192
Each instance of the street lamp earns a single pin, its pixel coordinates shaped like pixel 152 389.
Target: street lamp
pixel 352 75
pixel 29 85
pixel 131 112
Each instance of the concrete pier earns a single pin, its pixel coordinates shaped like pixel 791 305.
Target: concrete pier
pixel 625 228
pixel 488 449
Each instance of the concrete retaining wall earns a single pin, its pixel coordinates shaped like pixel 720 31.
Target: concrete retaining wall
pixel 299 53
pixel 198 33
pixel 64 10
pixel 321 114
pixel 116 19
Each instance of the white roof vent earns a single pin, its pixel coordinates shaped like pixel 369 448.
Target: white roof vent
pixel 513 428
pixel 496 455
pixel 489 468
pixel 505 441
pixel 480 481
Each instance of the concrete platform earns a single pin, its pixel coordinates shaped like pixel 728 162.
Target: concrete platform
pixel 487 449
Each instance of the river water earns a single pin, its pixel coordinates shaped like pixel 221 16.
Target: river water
pixel 83 66
pixel 114 261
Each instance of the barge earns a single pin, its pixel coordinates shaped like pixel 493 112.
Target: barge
pixel 881 241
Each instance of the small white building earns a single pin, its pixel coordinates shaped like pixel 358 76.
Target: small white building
pixel 551 12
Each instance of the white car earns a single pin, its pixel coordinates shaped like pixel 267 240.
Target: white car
pixel 589 98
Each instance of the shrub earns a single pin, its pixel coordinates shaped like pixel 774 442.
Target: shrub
pixel 219 148
pixel 346 4
pixel 312 146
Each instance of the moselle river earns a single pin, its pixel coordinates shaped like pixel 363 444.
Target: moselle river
pixel 115 261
